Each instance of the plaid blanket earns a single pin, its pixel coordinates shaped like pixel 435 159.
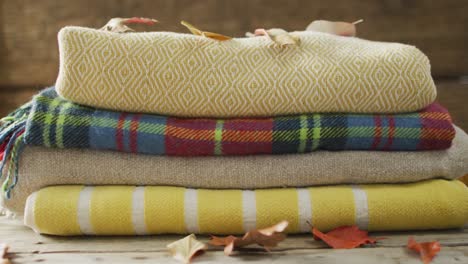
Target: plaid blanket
pixel 51 121
pixel 55 122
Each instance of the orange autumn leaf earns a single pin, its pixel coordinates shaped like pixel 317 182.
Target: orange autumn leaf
pixel 427 250
pixel 267 238
pixel 344 237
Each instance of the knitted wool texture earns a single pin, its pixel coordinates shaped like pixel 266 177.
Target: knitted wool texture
pixel 192 76
pixel 41 167
pixel 129 210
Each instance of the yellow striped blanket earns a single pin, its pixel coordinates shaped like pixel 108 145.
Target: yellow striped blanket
pixel 128 210
pixel 185 75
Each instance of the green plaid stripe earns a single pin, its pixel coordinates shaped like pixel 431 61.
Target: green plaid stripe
pixel 218 137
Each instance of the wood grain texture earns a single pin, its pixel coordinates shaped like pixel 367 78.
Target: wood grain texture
pixel 27 247
pixel 452 255
pixel 28 28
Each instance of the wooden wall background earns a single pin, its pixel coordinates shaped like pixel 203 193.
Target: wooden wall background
pixel 28 28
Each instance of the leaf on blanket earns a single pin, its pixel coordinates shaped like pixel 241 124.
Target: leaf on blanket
pixel 338 28
pixel 207 34
pixel 344 237
pixel 267 238
pixel 186 248
pixel 426 250
pixel 3 254
pixel 278 35
pixel 119 25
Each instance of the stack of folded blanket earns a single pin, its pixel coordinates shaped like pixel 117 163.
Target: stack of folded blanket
pixel 159 132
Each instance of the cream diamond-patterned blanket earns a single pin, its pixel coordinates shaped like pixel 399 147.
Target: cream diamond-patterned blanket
pixel 191 76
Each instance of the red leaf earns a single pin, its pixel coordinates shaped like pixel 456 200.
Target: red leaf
pixel 427 250
pixel 140 20
pixel 344 237
pixel 119 25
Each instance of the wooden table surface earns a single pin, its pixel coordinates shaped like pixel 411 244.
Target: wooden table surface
pixel 29 247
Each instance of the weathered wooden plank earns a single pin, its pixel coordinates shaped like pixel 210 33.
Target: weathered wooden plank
pixel 28 48
pixel 448 255
pixel 24 240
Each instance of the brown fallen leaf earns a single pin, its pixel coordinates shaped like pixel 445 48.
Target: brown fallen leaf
pixel 337 28
pixel 267 238
pixel 207 34
pixel 344 237
pixel 119 25
pixel 3 254
pixel 278 35
pixel 426 250
pixel 186 248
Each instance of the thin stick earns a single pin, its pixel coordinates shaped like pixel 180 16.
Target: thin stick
pixel 358 21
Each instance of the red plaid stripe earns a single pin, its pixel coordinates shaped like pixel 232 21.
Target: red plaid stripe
pixel 243 136
pixel 119 133
pixel 134 133
pixel 190 137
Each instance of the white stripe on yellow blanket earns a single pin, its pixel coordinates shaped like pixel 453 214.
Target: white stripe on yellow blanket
pixel 249 210
pixel 29 216
pixel 305 209
pixel 433 204
pixel 220 211
pixel 333 206
pixel 191 211
pixel 283 203
pixel 118 199
pixel 138 210
pixel 164 209
pixel 83 211
pixel 362 212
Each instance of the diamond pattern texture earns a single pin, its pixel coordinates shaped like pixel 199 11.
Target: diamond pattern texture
pixel 191 76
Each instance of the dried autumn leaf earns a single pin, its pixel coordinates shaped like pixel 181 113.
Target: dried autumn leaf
pixel 267 237
pixel 186 248
pixel 249 34
pixel 278 35
pixel 119 25
pixel 427 250
pixel 3 254
pixel 344 237
pixel 336 28
pixel 207 34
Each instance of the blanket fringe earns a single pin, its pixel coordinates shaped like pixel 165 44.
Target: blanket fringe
pixel 12 128
pixel 7 213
